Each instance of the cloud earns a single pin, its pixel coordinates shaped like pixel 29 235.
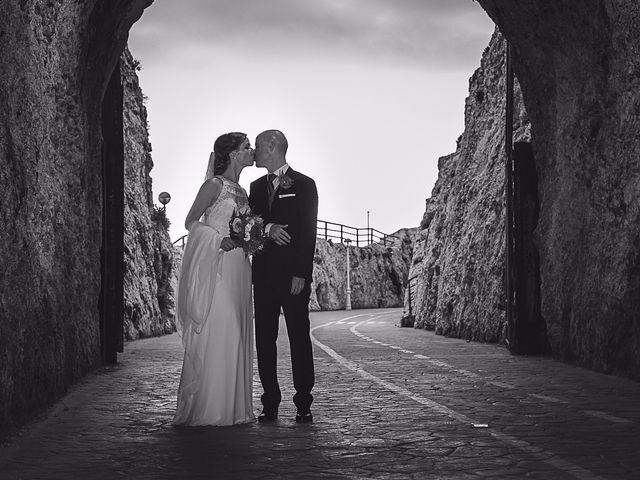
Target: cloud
pixel 427 33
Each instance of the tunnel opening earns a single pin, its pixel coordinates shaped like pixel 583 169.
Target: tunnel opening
pixel 530 299
pixel 577 69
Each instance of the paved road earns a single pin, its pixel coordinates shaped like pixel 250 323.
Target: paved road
pixel 391 403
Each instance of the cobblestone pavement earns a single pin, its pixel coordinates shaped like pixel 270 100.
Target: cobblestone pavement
pixel 391 403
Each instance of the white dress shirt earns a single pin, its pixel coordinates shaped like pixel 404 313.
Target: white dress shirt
pixel 276 183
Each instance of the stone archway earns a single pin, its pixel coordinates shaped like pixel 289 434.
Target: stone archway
pixel 585 57
pixel 578 68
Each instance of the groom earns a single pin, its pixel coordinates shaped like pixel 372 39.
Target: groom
pixel 288 202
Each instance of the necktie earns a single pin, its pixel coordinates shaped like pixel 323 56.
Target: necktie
pixel 270 190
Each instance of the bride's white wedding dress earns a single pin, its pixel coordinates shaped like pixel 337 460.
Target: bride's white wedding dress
pixel 215 309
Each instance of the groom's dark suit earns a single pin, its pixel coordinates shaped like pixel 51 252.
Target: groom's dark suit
pixel 294 204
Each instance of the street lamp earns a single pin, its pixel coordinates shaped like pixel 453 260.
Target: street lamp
pixel 164 198
pixel 348 241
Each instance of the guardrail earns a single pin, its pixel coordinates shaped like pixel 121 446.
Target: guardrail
pixel 409 288
pixel 181 240
pixel 339 233
pixel 408 318
pixel 359 236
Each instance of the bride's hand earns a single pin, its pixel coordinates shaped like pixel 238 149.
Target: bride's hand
pixel 227 244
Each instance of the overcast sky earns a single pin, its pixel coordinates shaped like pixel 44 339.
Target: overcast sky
pixel 369 93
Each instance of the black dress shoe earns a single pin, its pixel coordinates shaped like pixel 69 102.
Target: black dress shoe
pixel 304 417
pixel 268 416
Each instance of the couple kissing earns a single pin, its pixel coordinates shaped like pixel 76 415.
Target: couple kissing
pixel 215 305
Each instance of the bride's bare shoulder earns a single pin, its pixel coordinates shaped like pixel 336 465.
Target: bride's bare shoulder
pixel 212 185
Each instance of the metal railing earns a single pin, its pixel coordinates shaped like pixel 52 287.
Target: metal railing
pixel 408 318
pixel 359 236
pixel 409 291
pixel 181 241
pixel 339 233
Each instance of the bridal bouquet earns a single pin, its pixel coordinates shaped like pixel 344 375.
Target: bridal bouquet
pixel 246 229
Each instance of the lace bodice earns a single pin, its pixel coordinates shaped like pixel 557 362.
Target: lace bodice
pixel 232 196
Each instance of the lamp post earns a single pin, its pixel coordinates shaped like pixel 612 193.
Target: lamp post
pixel 348 307
pixel 369 235
pixel 164 198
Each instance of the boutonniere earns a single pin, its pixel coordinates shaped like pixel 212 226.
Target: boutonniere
pixel 284 181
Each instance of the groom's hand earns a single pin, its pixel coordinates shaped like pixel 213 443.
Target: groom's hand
pixel 297 284
pixel 278 234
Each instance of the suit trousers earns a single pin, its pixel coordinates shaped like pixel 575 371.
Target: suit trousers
pixel 270 295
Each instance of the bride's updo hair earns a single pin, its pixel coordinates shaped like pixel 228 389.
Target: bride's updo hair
pixel 222 148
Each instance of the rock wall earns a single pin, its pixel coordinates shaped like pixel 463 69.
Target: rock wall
pixel 148 293
pixel 378 274
pixel 459 258
pixel 579 67
pixel 55 60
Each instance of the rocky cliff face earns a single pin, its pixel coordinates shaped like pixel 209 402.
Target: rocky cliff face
pixel 579 67
pixel 55 60
pixel 378 274
pixel 459 257
pixel 148 293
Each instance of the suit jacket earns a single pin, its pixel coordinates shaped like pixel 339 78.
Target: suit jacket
pixel 297 207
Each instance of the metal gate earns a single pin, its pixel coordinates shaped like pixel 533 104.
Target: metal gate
pixel 526 329
pixel 112 253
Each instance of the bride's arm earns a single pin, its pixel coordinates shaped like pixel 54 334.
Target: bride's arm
pixel 209 193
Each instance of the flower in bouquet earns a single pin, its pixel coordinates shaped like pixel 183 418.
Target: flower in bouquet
pixel 236 225
pixel 246 230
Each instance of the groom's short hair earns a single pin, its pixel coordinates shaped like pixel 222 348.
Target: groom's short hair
pixel 278 137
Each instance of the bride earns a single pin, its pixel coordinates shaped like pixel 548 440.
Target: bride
pixel 214 304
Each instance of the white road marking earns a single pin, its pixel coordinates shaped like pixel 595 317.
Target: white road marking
pixel 548 398
pixel 437 363
pixel 471 375
pixel 606 416
pixel 537 452
pixel 502 385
